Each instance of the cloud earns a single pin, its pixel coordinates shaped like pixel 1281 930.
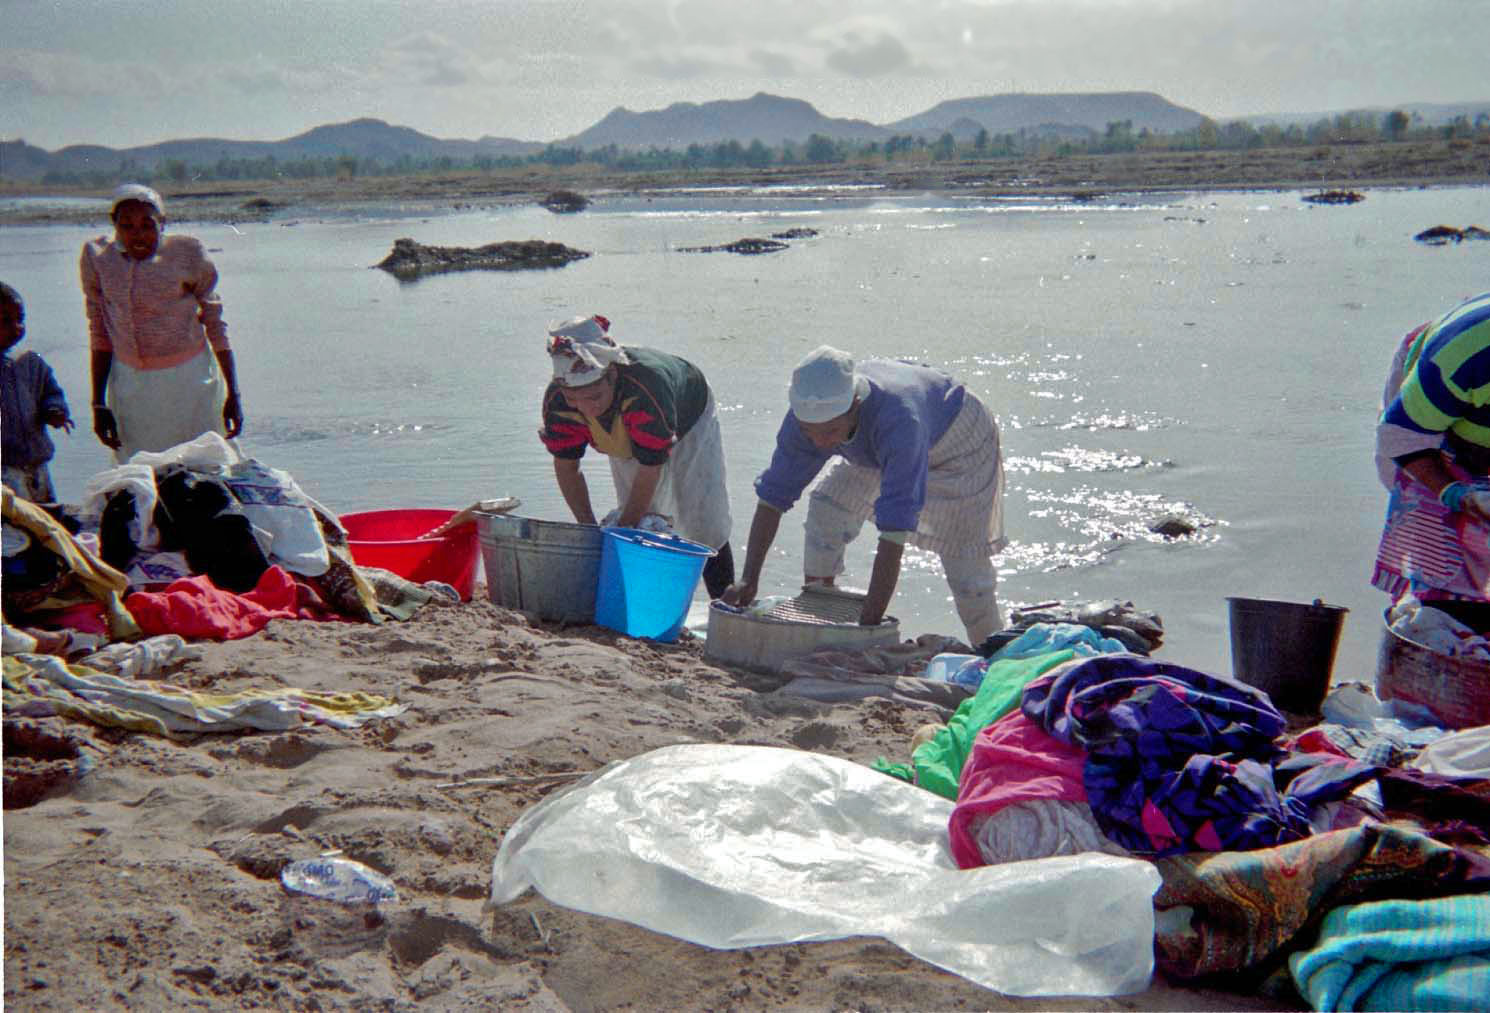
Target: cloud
pixel 444 76
pixel 424 60
pixel 32 74
pixel 257 80
pixel 262 78
pixel 885 55
pixel 774 64
pixel 429 43
pixel 676 69
pixel 430 59
pixel 626 29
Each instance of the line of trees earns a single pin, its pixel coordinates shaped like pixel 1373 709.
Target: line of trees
pixel 1119 136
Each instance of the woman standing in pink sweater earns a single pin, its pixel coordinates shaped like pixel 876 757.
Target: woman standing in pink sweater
pixel 163 372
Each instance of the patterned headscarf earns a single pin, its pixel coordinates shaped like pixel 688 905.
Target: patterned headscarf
pixel 582 350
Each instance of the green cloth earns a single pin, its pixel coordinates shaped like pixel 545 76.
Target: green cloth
pixel 937 765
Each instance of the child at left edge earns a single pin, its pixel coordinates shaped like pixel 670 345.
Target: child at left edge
pixel 30 400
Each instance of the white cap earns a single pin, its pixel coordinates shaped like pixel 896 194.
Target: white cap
pixel 135 191
pixel 824 385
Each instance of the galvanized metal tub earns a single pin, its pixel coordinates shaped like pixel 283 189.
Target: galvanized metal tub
pixel 546 569
pixel 1455 690
pixel 818 617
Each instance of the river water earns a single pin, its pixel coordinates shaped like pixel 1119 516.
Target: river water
pixel 1216 355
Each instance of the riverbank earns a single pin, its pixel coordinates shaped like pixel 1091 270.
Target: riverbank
pixel 1083 177
pixel 153 881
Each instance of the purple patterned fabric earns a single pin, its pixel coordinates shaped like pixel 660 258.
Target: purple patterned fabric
pixel 1178 760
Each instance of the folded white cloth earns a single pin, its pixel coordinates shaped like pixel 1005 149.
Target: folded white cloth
pixel 142 659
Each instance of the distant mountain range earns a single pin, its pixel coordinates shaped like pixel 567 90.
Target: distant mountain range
pixel 770 119
pixel 362 139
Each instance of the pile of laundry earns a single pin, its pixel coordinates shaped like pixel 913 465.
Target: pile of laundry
pixel 1111 815
pixel 1346 864
pixel 197 541
pixel 1277 849
pixel 102 599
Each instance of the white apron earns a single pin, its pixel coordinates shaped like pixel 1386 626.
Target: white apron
pixel 691 492
pixel 155 409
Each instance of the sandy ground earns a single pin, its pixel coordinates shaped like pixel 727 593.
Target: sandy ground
pixel 1321 167
pixel 152 882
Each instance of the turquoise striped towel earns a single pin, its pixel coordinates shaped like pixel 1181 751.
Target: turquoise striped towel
pixel 1400 955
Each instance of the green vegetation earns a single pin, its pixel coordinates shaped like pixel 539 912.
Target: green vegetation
pixel 1353 128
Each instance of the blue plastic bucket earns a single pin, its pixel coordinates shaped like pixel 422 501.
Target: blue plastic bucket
pixel 646 582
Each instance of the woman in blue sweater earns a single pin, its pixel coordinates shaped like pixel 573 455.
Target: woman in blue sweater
pixel 916 450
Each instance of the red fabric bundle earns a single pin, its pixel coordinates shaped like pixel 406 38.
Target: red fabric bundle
pixel 195 608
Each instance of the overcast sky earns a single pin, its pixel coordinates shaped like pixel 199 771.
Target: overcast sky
pixel 123 72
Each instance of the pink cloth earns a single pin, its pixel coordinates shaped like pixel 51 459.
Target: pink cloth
pixel 154 313
pixel 88 617
pixel 1424 547
pixel 1012 760
pixel 1427 549
pixel 196 608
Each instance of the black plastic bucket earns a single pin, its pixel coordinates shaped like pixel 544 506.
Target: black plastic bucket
pixel 1286 649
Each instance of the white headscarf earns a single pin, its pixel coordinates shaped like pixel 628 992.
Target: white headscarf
pixel 135 191
pixel 582 350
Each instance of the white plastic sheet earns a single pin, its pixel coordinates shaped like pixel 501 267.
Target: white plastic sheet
pixel 736 846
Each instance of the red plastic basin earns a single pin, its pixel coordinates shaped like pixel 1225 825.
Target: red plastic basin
pixel 389 539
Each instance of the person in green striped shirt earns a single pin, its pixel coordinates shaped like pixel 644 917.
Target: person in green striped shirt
pixel 1433 454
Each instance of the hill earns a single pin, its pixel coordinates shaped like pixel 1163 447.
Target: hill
pixel 359 139
pixel 769 119
pixel 1000 114
pixel 22 161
